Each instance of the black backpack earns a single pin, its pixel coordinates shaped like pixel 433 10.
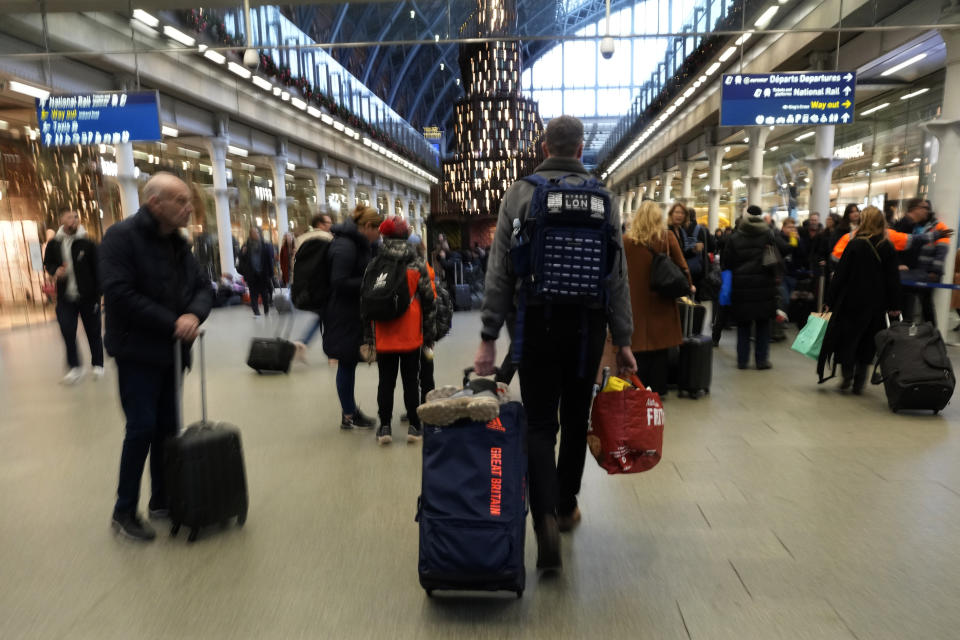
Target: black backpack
pixel 310 288
pixel 385 294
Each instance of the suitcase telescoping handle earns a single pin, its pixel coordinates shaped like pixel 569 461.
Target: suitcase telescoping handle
pixel 821 292
pixel 178 382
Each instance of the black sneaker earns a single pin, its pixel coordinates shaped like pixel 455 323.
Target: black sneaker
pixel 414 434
pixel 133 527
pixel 158 511
pixel 346 422
pixel 363 421
pixel 384 434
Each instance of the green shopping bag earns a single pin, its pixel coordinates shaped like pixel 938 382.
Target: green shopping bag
pixel 810 338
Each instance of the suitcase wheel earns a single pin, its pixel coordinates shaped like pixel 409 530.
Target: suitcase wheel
pixel 174 529
pixel 241 518
pixel 429 593
pixel 194 532
pixel 519 593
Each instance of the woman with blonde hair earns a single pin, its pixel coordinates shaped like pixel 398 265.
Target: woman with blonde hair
pixel 656 320
pixel 865 284
pixel 348 256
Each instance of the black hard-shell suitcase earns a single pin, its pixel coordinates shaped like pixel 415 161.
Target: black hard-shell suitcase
pixel 695 365
pixel 472 508
pixel 272 354
pixel 914 367
pixel 206 478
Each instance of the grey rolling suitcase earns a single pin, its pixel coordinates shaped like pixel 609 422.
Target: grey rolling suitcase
pixel 462 299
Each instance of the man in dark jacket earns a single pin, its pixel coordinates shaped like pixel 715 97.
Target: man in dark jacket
pixel 922 261
pixel 754 290
pixel 556 381
pixel 154 293
pixel 256 267
pixel 71 258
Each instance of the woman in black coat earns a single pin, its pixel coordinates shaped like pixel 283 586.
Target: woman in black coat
pixel 754 291
pixel 348 256
pixel 865 284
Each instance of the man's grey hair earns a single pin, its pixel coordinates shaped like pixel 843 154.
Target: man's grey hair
pixel 159 184
pixel 563 136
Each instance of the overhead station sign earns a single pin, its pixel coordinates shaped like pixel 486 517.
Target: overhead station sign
pixel 802 98
pixel 99 118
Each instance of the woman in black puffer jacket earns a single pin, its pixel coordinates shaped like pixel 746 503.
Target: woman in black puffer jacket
pixel 754 291
pixel 348 256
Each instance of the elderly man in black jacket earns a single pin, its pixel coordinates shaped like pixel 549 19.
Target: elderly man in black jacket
pixel 71 258
pixel 154 293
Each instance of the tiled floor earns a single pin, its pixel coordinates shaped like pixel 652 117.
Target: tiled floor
pixel 781 510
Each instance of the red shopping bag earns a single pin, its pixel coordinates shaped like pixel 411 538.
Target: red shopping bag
pixel 626 429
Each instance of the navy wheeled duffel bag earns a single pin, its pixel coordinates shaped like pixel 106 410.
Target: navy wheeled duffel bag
pixel 472 508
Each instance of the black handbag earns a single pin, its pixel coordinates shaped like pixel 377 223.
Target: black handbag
pixel 666 278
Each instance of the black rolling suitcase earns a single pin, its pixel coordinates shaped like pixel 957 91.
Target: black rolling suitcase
pixel 692 324
pixel 914 367
pixel 205 473
pixel 272 354
pixel 695 359
pixel 462 298
pixel 472 508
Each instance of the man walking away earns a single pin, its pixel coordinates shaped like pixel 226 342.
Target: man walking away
pixel 154 292
pixel 256 267
pixel 561 343
pixel 71 258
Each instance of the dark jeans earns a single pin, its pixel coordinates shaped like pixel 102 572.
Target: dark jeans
pixel 316 325
pixel 652 369
pixel 911 296
pixel 257 290
pixel 555 383
pixel 427 383
pixel 89 313
pixel 346 382
pixel 408 362
pixel 148 400
pixel 762 348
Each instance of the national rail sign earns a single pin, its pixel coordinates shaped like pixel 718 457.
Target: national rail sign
pixel 802 98
pixel 99 118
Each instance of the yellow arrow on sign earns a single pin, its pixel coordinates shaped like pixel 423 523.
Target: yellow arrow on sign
pixel 846 104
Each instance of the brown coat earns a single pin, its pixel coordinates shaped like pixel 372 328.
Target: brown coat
pixel 656 320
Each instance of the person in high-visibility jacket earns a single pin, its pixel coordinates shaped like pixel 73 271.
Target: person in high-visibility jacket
pixel 902 241
pixel 922 261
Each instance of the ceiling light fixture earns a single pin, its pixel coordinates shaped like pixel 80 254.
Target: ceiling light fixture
pixel 298 103
pixel 766 17
pixel 903 65
pixel 726 55
pixel 805 135
pixel 28 90
pixel 915 93
pixel 263 84
pixel 145 18
pixel 214 56
pixel 241 71
pixel 712 69
pixel 745 37
pixel 773 148
pixel 874 109
pixel 236 151
pixel 313 111
pixel 179 36
pixel 169 131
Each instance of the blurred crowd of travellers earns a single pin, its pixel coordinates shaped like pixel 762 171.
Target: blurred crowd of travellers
pixel 377 297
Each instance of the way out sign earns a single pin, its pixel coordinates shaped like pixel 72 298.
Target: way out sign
pixel 802 98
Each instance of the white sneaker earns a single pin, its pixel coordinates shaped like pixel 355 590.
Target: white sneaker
pixel 97 373
pixel 73 376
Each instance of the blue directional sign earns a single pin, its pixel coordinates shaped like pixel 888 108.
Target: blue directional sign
pixel 803 98
pixel 99 118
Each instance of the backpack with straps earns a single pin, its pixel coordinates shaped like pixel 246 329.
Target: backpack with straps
pixel 310 288
pixel 385 293
pixel 564 250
